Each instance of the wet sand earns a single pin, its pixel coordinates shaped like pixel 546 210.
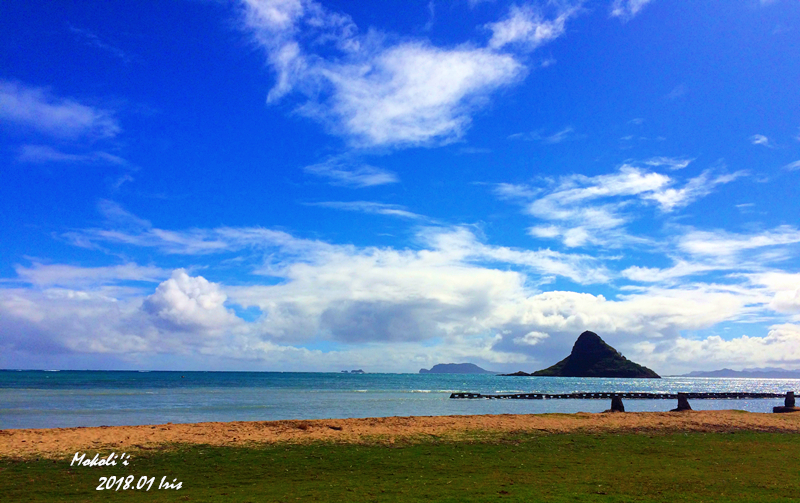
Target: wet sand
pixel 58 442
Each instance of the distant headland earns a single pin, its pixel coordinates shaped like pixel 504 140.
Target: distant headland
pixel 758 373
pixel 592 357
pixel 456 368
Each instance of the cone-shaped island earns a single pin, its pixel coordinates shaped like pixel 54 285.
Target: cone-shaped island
pixel 592 357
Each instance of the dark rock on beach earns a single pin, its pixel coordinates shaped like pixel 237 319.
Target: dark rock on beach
pixel 592 357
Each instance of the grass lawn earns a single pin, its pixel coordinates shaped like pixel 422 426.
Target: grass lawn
pixel 570 467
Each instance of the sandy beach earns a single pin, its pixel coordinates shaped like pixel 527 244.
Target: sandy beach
pixel 57 442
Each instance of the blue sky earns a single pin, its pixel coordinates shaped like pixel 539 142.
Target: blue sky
pixel 301 185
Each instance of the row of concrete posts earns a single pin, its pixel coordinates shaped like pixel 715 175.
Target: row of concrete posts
pixel 683 404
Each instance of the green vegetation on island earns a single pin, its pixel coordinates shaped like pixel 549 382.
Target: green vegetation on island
pixel 711 467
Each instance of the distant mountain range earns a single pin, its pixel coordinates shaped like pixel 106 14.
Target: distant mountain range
pixel 456 368
pixel 755 373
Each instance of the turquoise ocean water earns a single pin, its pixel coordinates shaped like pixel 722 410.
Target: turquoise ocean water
pixel 48 399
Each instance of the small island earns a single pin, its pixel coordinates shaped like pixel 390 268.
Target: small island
pixel 456 368
pixel 592 357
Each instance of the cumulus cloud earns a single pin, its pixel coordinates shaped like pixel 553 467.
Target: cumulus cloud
pixel 184 302
pixel 785 288
pixel 381 92
pixel 39 110
pixel 627 9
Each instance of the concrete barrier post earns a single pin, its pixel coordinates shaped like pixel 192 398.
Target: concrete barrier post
pixel 683 403
pixel 789 402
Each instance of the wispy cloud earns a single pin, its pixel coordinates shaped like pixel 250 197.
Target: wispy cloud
pixel 37 109
pixel 567 133
pixel 760 139
pixel 725 245
pixel 393 210
pixel 431 16
pixel 512 191
pixel 382 93
pixel 681 269
pixel 583 210
pixel 70 276
pixel 678 91
pixel 343 173
pixel 792 166
pixel 627 9
pixel 46 154
pixel 526 26
pixel 672 163
pixel 93 40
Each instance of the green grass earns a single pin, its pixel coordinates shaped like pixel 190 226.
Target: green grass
pixel 728 467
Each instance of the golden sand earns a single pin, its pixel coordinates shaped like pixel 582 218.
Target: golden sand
pixel 57 442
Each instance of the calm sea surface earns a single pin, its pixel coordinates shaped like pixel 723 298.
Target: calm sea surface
pixel 48 399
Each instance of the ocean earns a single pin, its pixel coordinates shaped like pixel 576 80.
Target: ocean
pixel 56 399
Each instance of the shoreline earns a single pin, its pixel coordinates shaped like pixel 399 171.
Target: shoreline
pixel 58 442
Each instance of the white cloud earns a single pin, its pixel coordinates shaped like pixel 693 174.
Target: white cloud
pixel 514 191
pixel 760 139
pixel 672 163
pixel 393 210
pixel 184 302
pixel 681 269
pixel 792 166
pixel 627 9
pixel 677 92
pixel 564 134
pixel 49 275
pixel 700 186
pixel 526 26
pixel 44 154
pixel 452 295
pixel 726 245
pixel 785 288
pixel 560 136
pixel 780 347
pixel 92 40
pixel 531 338
pixel 37 109
pixel 593 210
pixel 341 173
pixel 382 93
pixel 412 93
